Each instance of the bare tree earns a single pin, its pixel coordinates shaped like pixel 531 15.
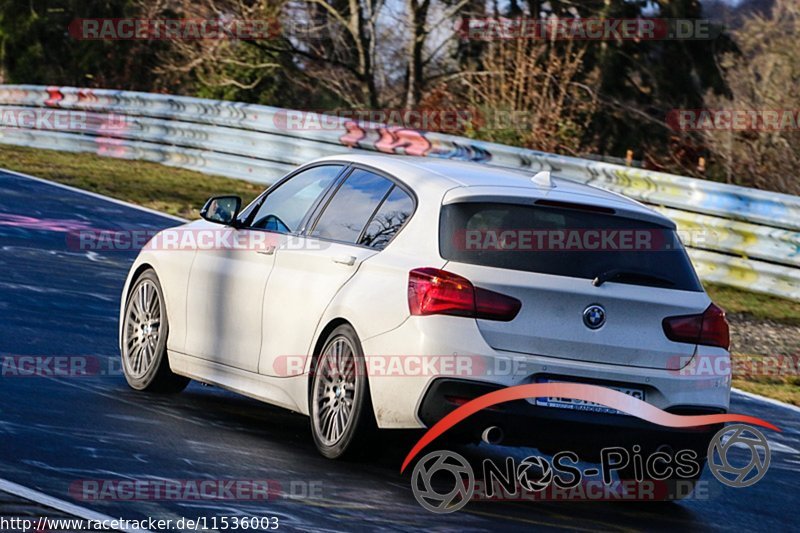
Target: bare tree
pixel 532 94
pixel 364 53
pixel 220 62
pixel 338 48
pixel 763 78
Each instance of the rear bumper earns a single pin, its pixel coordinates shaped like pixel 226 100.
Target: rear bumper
pixel 553 430
pixel 405 400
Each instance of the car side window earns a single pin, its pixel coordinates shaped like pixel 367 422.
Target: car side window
pixel 352 206
pixel 387 221
pixel 284 209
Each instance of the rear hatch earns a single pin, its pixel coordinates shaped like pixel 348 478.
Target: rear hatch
pixel 564 261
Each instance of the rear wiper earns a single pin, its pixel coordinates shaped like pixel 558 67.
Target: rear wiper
pixel 630 275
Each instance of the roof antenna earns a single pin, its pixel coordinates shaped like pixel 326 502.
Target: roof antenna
pixel 542 179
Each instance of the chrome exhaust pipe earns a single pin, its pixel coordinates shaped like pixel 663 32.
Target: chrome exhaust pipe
pixel 492 435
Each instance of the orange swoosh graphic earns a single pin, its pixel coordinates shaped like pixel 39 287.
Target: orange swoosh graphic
pixel 577 391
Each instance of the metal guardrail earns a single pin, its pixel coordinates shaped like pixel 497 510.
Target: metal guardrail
pixel 751 238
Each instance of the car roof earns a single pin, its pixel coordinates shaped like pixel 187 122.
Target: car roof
pixel 448 174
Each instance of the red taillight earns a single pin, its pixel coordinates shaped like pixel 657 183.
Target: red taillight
pixel 495 306
pixel 433 292
pixel 436 292
pixel 710 328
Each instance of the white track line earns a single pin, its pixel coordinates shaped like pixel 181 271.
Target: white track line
pixel 93 194
pixel 59 505
pixel 764 399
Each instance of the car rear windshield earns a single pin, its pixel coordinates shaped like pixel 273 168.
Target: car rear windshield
pixel 566 240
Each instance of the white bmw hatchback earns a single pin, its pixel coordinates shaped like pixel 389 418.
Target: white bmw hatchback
pixel 383 292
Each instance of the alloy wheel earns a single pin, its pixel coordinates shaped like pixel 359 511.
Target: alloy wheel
pixel 142 331
pixel 334 395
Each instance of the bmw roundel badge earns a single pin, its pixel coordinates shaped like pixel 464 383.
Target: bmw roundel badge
pixel 594 316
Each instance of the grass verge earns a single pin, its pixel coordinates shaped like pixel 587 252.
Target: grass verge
pixel 755 305
pixel 784 391
pixel 171 190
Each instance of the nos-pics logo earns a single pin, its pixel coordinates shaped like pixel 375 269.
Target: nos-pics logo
pixel 444 482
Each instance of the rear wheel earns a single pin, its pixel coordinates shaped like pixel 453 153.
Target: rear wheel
pixel 144 339
pixel 341 410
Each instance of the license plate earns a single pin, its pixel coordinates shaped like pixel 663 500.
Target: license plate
pixel 582 405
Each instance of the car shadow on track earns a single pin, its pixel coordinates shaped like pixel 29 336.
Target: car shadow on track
pixel 283 440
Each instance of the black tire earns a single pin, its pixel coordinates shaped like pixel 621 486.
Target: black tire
pixel 360 426
pixel 156 376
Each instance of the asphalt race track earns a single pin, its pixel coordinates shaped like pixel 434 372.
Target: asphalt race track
pixel 56 300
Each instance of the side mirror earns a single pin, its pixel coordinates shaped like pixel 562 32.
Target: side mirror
pixel 222 209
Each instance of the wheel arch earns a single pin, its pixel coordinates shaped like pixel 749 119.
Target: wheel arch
pixel 134 276
pixel 322 337
pixel 320 343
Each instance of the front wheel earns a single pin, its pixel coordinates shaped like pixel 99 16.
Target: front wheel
pixel 144 339
pixel 341 410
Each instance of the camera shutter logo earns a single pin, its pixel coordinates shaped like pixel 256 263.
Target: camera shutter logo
pixel 739 436
pixel 534 473
pixel 462 479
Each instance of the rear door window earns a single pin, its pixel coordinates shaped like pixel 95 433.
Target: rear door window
pixel 571 242
pixel 387 221
pixel 352 207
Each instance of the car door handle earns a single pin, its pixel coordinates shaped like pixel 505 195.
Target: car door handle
pixel 269 251
pixel 348 260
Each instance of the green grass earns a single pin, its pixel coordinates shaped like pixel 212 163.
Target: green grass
pixel 785 391
pixel 168 189
pixel 755 305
